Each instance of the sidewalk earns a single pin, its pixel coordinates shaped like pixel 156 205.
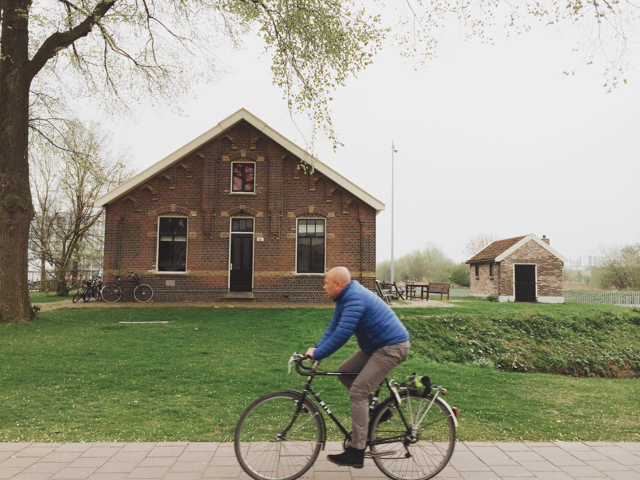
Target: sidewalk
pixel 194 461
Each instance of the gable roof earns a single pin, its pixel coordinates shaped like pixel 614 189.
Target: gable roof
pixel 491 251
pixel 218 130
pixel 501 249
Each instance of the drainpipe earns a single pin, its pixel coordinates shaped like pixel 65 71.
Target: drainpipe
pixel 497 265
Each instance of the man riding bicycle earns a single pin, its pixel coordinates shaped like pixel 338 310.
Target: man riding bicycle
pixel 383 342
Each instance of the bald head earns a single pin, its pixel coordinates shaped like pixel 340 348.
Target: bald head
pixel 335 280
pixel 340 274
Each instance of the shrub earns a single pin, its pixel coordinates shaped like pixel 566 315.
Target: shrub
pixel 620 268
pixel 459 275
pixel 430 264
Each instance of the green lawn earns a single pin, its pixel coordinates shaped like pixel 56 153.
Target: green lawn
pixel 38 298
pixel 78 375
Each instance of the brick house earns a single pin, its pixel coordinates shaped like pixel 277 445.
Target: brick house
pixel 522 269
pixel 233 215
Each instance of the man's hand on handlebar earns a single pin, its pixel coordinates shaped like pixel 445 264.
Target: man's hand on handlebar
pixel 310 353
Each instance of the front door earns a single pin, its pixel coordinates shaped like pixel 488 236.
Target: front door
pixel 241 260
pixel 525 283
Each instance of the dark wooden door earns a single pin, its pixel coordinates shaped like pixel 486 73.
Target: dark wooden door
pixel 241 267
pixel 525 276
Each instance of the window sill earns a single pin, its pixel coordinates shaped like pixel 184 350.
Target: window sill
pixel 243 193
pixel 295 274
pixel 169 273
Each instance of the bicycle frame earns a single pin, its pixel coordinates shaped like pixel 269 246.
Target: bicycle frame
pixel 308 389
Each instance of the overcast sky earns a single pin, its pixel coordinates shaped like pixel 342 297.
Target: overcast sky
pixel 490 139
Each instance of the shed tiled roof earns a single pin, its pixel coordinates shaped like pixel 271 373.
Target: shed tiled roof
pixel 493 250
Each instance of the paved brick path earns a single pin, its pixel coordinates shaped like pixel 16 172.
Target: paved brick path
pixel 194 461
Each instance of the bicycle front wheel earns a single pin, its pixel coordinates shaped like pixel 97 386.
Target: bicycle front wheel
pixel 273 443
pixel 143 293
pixel 417 442
pixel 87 295
pixel 111 293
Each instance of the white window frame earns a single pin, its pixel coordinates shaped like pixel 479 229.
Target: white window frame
pixel 186 267
pixel 253 240
pixel 324 266
pixel 231 191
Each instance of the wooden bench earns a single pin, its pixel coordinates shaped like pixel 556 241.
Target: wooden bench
pixel 395 291
pixel 383 293
pixel 441 288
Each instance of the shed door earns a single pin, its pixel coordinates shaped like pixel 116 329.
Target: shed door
pixel 525 283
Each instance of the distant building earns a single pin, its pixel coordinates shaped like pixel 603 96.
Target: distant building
pixel 521 269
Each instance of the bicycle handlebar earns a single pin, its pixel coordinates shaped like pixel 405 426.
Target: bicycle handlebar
pixel 303 370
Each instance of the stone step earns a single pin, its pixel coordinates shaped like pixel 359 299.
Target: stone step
pixel 239 297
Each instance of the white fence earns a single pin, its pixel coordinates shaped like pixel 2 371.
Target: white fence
pixel 625 299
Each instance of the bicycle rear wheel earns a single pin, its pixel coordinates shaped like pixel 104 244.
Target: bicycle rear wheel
pixel 415 450
pixel 143 293
pixel 78 295
pixel 111 293
pixel 271 444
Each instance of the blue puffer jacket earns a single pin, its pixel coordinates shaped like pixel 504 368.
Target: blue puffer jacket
pixel 362 312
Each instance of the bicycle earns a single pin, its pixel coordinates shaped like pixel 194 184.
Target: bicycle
pixel 81 291
pixel 411 434
pixel 93 290
pixel 112 292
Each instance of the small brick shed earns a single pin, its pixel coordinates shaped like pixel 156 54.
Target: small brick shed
pixel 232 215
pixel 522 269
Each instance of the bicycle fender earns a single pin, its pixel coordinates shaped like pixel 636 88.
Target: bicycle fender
pixel 291 390
pixel 324 425
pixel 446 405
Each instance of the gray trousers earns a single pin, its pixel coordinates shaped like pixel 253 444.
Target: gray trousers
pixel 372 371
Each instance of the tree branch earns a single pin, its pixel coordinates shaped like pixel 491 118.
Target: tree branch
pixel 61 40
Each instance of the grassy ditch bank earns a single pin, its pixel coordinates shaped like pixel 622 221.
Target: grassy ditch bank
pixel 572 339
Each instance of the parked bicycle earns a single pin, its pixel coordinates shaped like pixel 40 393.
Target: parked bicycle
pixel 82 289
pixel 411 434
pixel 112 292
pixel 93 290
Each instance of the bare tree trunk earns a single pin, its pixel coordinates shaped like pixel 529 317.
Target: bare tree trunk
pixel 61 283
pixel 43 272
pixel 16 209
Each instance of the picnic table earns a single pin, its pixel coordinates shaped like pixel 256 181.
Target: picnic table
pixel 411 289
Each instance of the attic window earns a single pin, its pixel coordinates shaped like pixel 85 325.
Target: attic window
pixel 243 179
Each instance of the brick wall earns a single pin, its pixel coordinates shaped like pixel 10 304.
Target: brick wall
pixel 484 284
pixel 198 187
pixel 548 270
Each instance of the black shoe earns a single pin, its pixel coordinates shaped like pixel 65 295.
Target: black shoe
pixel 351 457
